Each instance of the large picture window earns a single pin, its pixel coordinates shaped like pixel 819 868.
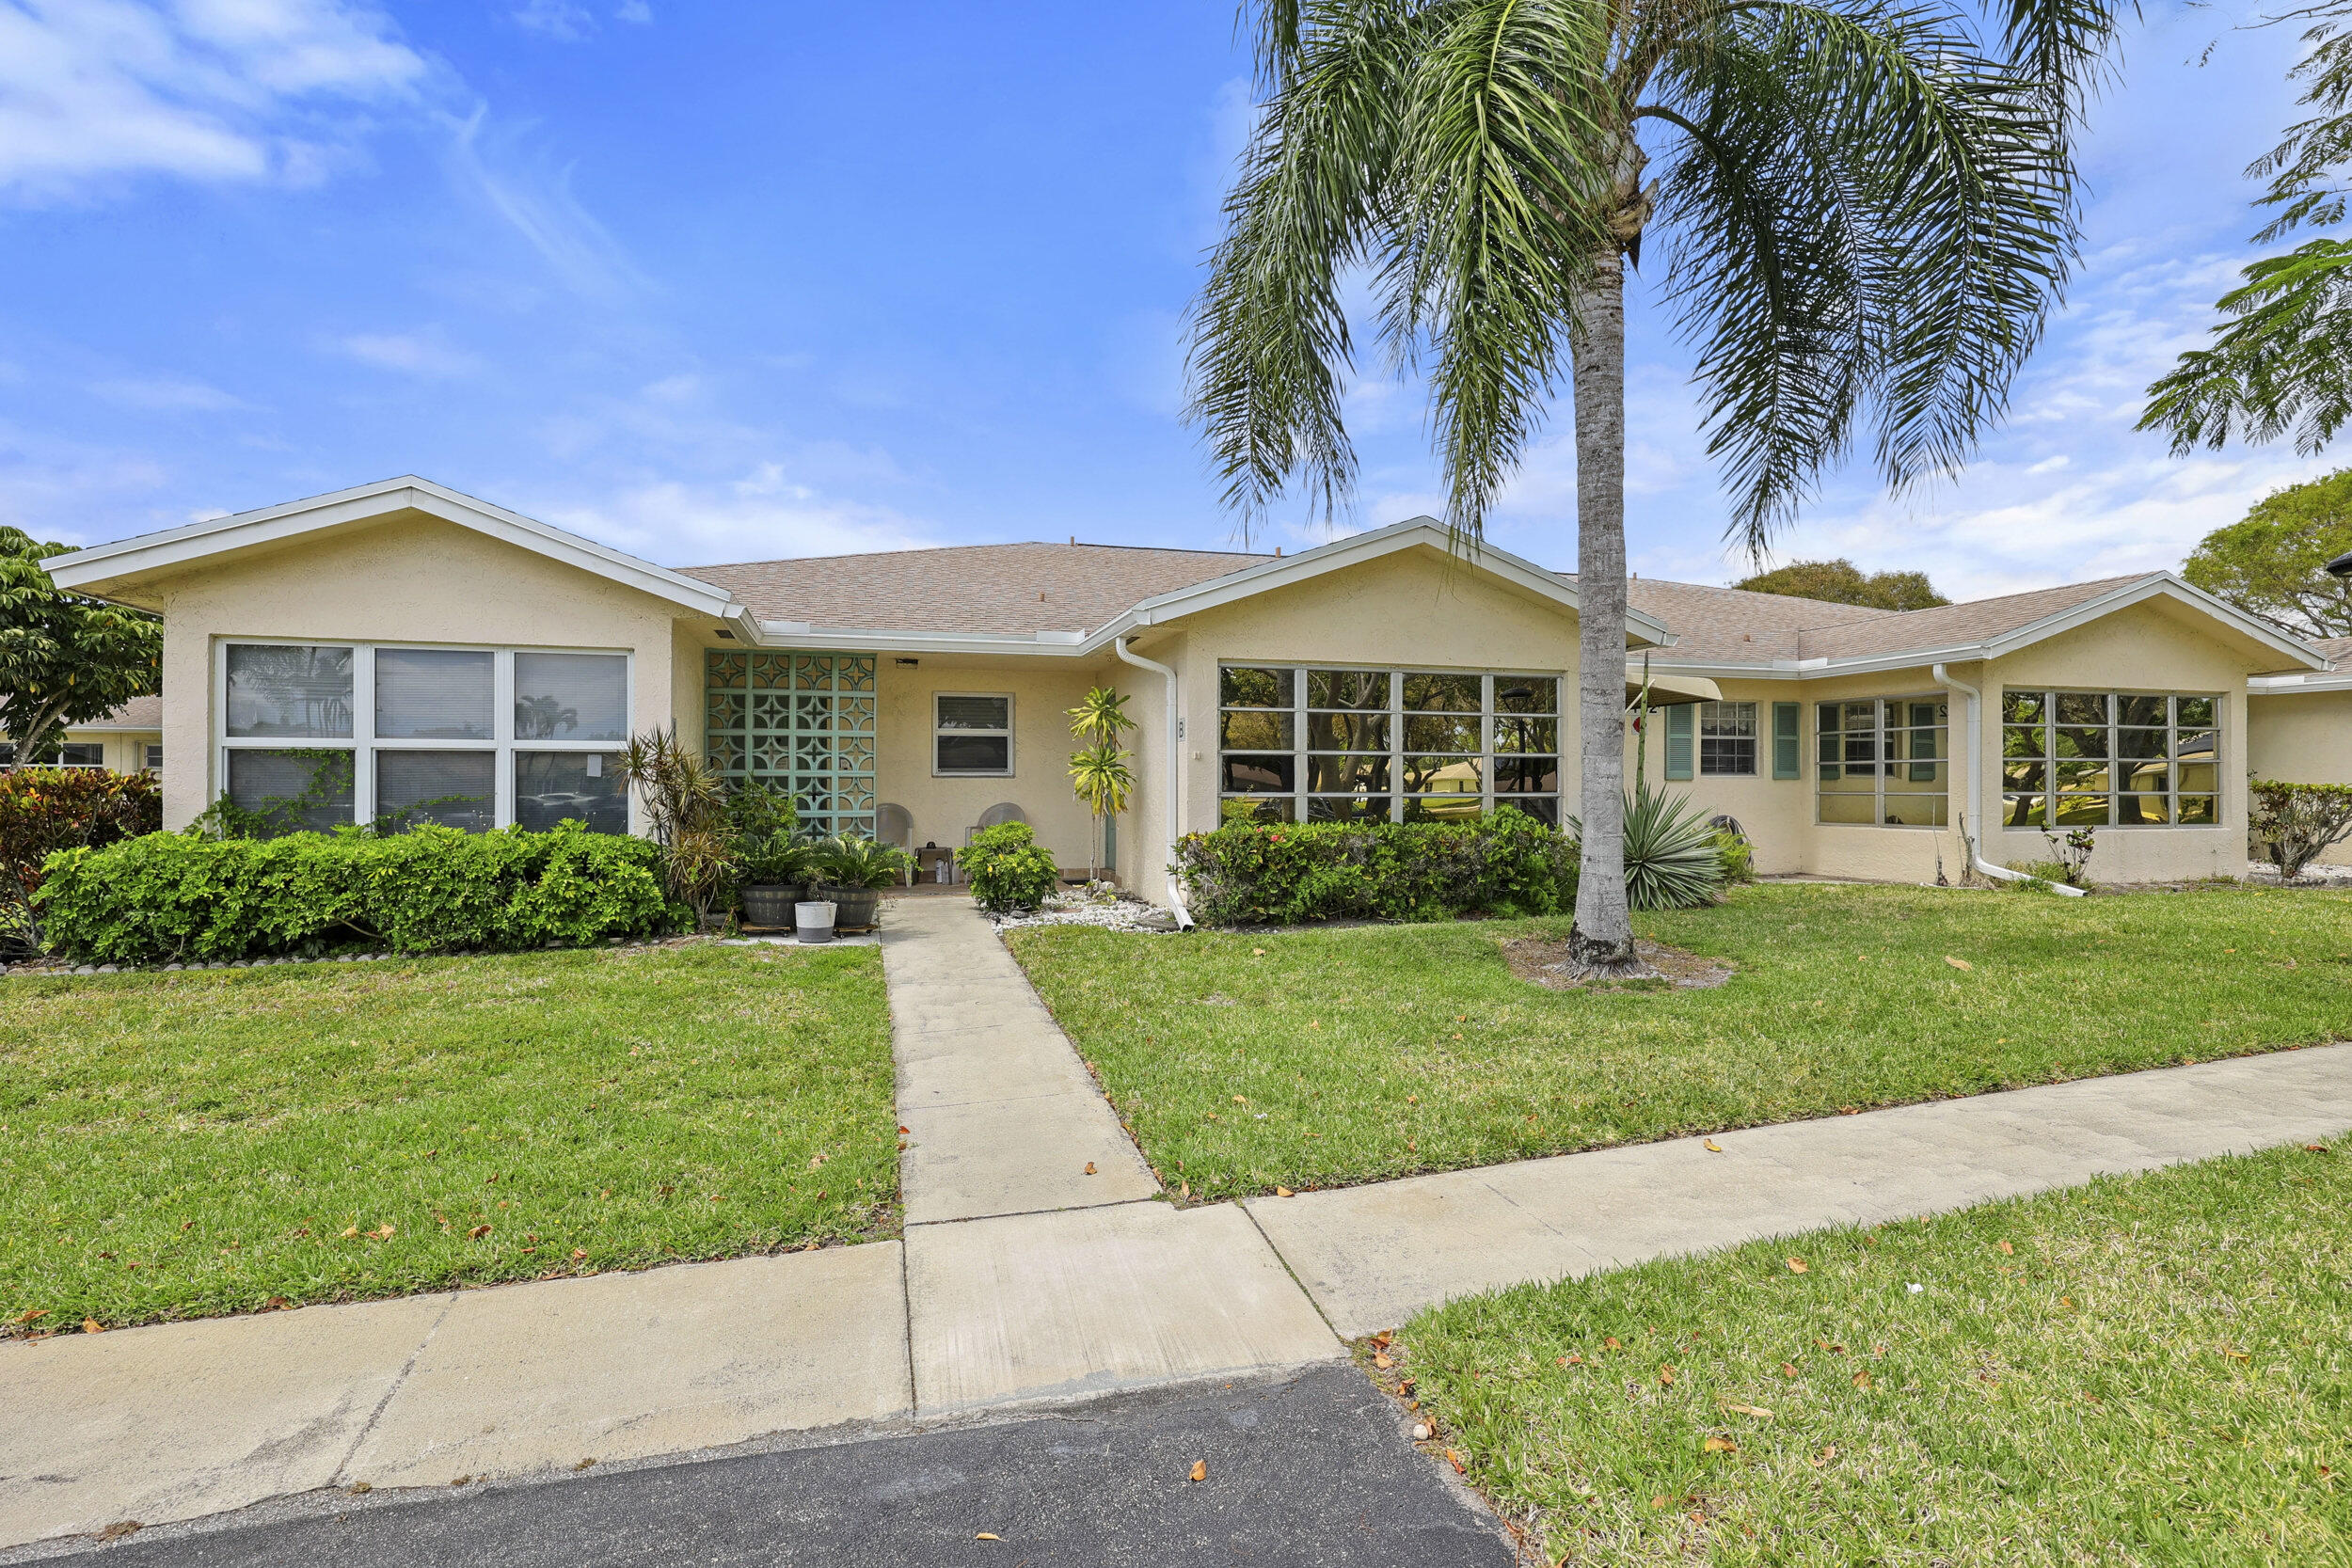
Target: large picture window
pixel 1881 761
pixel 319 735
pixel 1295 743
pixel 2101 759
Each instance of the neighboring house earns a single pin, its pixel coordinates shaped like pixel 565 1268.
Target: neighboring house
pixel 2302 726
pixel 452 659
pixel 128 740
pixel 1840 743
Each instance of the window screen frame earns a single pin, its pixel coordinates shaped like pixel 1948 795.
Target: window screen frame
pixel 1401 804
pixel 1756 740
pixel 1883 764
pixel 1012 760
pixel 363 742
pixel 2048 757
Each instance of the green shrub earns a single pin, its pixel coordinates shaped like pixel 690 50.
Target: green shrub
pixel 2294 824
pixel 1737 855
pixel 183 897
pixel 1249 873
pixel 1673 857
pixel 44 810
pixel 852 861
pixel 1008 869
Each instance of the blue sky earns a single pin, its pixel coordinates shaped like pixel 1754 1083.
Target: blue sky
pixel 717 282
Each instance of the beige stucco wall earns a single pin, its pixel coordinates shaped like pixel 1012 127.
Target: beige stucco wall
pixel 2146 648
pixel 2303 739
pixel 406 578
pixel 125 750
pixel 1043 688
pixel 1414 609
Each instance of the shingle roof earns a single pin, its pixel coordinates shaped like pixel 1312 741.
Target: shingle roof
pixel 1733 625
pixel 139 713
pixel 1950 626
pixel 2338 649
pixel 1006 588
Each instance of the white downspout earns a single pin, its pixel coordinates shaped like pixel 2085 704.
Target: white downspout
pixel 1976 744
pixel 1175 889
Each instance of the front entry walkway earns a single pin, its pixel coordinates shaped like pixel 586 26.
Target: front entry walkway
pixel 1040 1261
pixel 1022 1279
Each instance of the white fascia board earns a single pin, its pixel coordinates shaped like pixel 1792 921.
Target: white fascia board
pixel 2296 685
pixel 801 634
pixel 194 542
pixel 2159 585
pixel 1354 551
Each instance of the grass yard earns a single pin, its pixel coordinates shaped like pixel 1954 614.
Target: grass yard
pixel 181 1145
pixel 2154 1369
pixel 1310 1059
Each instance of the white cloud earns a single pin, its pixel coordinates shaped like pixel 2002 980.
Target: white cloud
pixel 765 514
pixel 425 355
pixel 167 394
pixel 555 19
pixel 497 164
pixel 635 11
pixel 93 90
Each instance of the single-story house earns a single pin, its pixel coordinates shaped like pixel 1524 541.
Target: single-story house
pixel 2301 727
pixel 128 740
pixel 458 662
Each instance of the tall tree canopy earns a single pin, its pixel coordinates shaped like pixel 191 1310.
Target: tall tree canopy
pixel 2271 561
pixel 1867 210
pixel 64 659
pixel 2280 361
pixel 1842 581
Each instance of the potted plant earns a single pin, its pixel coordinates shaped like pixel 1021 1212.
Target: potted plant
pixel 772 860
pixel 852 872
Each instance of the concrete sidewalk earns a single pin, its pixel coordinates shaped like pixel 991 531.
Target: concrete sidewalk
pixel 1024 1281
pixel 1374 1256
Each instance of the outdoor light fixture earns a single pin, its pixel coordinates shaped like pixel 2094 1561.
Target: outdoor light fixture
pixel 906 663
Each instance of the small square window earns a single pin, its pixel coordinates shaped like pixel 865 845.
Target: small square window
pixel 971 734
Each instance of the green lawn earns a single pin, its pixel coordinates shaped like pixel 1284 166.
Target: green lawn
pixel 1244 1061
pixel 188 1144
pixel 2150 1371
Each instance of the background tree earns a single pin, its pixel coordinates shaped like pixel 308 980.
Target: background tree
pixel 2282 358
pixel 1870 212
pixel 1842 581
pixel 2270 561
pixel 64 659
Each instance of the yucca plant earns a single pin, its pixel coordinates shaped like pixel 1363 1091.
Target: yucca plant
pixel 1672 858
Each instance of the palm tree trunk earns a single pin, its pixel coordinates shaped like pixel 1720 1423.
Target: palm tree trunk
pixel 1601 940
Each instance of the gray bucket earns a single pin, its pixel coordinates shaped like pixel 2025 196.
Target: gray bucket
pixel 814 919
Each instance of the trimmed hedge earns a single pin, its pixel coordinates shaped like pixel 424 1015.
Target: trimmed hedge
pixel 181 897
pixel 1008 868
pixel 1246 874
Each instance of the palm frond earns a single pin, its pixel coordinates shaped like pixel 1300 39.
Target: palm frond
pixel 2283 363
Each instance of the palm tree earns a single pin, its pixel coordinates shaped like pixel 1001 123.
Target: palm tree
pixel 1099 771
pixel 1870 214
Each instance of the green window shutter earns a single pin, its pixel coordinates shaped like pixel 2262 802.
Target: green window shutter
pixel 1679 745
pixel 1786 739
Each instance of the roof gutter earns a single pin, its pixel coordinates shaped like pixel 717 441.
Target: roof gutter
pixel 1175 890
pixel 1975 746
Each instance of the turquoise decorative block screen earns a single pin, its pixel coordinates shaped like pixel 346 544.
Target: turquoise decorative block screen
pixel 802 723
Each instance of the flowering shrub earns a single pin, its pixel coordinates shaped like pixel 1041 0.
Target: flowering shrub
pixel 44 810
pixel 177 898
pixel 1248 873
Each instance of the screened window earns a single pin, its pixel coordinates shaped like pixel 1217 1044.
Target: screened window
pixel 320 735
pixel 2103 759
pixel 1728 739
pixel 154 756
pixel 1295 743
pixel 971 734
pixel 1882 761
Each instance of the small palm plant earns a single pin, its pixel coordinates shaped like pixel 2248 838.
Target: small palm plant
pixel 1099 771
pixel 685 803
